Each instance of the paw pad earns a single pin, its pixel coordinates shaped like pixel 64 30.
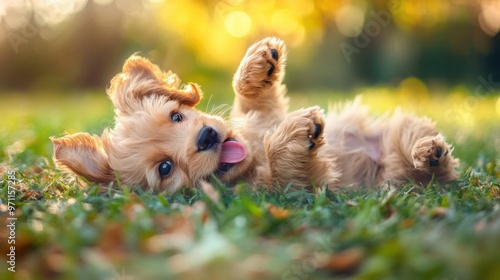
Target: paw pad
pixel 271 70
pixel 274 54
pixel 439 152
pixel 317 132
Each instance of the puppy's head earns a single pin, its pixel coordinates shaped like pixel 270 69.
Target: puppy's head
pixel 159 140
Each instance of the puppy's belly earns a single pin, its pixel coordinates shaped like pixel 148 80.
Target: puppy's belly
pixel 357 156
pixel 368 144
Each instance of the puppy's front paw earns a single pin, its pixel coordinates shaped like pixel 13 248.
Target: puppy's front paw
pixel 262 66
pixel 309 124
pixel 316 127
pixel 430 152
pixel 292 150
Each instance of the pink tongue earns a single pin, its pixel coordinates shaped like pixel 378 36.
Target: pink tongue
pixel 232 152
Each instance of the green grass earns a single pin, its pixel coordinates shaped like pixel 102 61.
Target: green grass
pixel 438 231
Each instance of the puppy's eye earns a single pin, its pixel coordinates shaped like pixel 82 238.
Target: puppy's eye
pixel 165 167
pixel 176 117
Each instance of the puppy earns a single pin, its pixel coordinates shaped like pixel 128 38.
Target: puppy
pixel 350 148
pixel 159 140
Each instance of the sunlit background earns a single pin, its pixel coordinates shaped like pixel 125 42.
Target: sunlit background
pixel 435 58
pixel 72 44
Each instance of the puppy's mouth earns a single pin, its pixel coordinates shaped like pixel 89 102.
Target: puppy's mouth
pixel 232 153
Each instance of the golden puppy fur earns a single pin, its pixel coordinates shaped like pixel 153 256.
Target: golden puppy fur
pixel 156 127
pixel 161 141
pixel 351 147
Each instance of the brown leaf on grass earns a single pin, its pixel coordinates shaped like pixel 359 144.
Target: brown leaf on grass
pixel 439 212
pixel 388 196
pixel 407 223
pixel 53 260
pixel 199 208
pixel 179 263
pixel 133 208
pixel 32 195
pixel 180 224
pixel 389 211
pixel 210 191
pixel 278 213
pixel 345 261
pixel 424 210
pixel 36 169
pixel 177 230
pixel 351 203
pixel 495 192
pixel 175 241
pixel 112 242
pixel 255 266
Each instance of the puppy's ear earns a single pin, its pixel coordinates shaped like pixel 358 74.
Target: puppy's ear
pixel 140 78
pixel 84 155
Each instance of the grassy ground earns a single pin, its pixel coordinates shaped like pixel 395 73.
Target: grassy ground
pixel 438 231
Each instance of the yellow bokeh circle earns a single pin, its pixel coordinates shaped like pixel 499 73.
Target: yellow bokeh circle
pixel 238 23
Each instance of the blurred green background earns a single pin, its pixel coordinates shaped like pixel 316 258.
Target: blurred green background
pixel 74 44
pixel 435 58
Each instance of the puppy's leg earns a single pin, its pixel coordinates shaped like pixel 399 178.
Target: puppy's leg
pixel 292 151
pixel 414 149
pixel 257 82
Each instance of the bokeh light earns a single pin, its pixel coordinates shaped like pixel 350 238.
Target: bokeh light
pixel 350 20
pixel 238 24
pixel 84 40
pixel 489 18
pixel 498 106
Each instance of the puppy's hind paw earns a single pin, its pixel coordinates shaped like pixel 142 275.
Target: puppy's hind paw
pixel 430 152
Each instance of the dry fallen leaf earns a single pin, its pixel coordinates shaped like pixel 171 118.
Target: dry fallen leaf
pixel 53 259
pixel 388 196
pixel 176 230
pixel 344 261
pixel 439 212
pixel 112 242
pixel 32 195
pixel 495 192
pixel 133 208
pixel 407 223
pixel 423 210
pixel 351 203
pixel 278 213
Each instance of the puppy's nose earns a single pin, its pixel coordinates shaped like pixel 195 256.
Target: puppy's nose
pixel 207 138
